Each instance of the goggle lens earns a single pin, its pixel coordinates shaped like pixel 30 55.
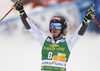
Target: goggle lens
pixel 58 26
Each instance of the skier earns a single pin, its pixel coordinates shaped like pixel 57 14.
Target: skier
pixel 55 49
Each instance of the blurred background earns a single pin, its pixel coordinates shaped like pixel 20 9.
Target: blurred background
pixel 20 51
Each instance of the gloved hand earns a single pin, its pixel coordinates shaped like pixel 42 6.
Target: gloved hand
pixel 19 7
pixel 89 15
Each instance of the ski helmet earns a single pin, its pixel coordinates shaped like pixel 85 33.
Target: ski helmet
pixel 59 19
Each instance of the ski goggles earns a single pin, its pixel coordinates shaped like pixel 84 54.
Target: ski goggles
pixel 58 26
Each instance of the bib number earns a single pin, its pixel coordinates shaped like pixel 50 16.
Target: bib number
pixel 49 55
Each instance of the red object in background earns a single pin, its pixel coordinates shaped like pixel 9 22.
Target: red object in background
pixel 52 2
pixel 60 1
pixel 48 2
pixel 34 4
pixel 45 3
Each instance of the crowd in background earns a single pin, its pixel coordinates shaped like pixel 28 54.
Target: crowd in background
pixel 46 3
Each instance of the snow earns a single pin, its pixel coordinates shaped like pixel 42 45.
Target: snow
pixel 20 52
pixel 85 54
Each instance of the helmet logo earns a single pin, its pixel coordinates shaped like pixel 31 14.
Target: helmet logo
pixel 57 18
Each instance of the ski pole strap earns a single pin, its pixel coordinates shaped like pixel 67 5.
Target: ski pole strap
pixel 21 12
pixel 86 21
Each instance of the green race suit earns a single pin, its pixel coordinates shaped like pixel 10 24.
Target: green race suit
pixel 50 50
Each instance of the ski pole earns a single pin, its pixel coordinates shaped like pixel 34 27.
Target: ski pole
pixel 9 11
pixel 96 21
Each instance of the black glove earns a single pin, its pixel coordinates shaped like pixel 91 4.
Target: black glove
pixel 89 15
pixel 19 7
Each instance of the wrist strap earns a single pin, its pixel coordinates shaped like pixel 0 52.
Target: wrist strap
pixel 21 12
pixel 86 21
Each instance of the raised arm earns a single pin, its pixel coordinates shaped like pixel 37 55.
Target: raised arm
pixel 22 13
pixel 29 25
pixel 71 40
pixel 88 17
